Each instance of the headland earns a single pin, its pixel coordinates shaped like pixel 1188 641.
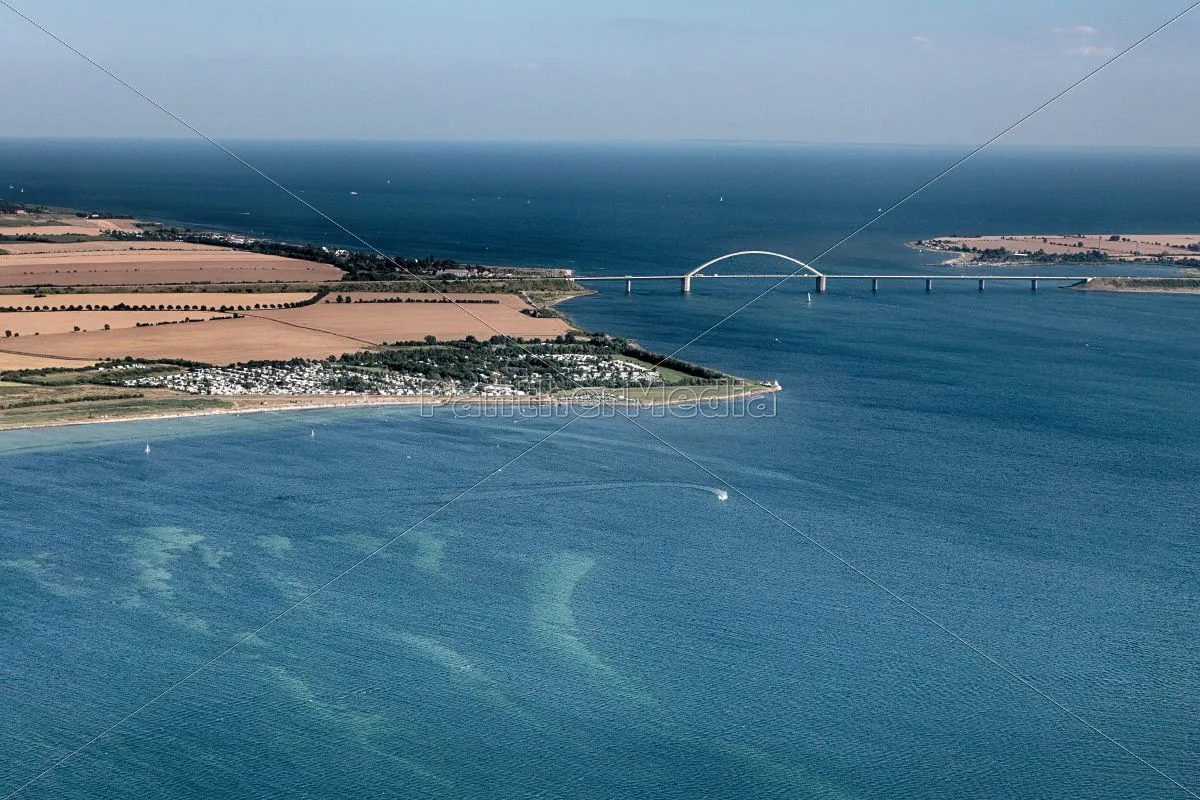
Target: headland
pixel 107 317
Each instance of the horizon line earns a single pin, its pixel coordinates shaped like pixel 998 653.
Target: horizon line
pixel 593 142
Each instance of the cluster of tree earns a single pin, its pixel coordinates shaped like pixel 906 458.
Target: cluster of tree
pixel 47 238
pixel 670 362
pixel 359 266
pixel 1041 256
pixel 456 301
pixel 85 398
pixel 54 375
pixel 488 285
pixel 31 375
pixel 164 322
pixel 7 207
pixel 541 313
pixel 167 306
pixel 512 361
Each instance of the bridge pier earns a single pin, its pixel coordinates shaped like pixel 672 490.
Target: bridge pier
pixel 874 284
pixel 687 284
pixel 1033 284
pixel 821 284
pixel 929 284
pixel 628 286
pixel 982 284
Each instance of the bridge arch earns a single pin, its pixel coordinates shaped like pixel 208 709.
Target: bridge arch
pixel 728 256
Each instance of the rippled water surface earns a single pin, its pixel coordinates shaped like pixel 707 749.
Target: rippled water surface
pixel 958 557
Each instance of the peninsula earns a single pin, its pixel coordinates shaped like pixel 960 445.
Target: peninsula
pixel 107 317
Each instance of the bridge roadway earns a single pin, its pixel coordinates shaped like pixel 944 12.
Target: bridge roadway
pixel 821 280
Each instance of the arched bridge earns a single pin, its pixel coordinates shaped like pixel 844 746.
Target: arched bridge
pixel 822 279
pixel 687 278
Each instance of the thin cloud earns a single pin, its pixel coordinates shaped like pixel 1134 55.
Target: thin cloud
pixel 1091 51
pixel 925 43
pixel 1079 30
pixel 1081 41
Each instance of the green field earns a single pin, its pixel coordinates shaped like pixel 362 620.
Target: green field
pixel 23 405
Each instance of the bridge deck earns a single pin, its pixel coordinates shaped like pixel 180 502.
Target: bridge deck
pixel 833 276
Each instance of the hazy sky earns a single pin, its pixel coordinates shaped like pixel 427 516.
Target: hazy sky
pixel 946 71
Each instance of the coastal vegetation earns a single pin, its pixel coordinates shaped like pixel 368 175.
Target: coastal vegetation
pixel 28 404
pixel 1173 285
pixel 358 265
pixel 1175 249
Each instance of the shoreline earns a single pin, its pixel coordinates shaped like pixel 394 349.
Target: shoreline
pixel 1137 285
pixel 322 403
pixel 1017 250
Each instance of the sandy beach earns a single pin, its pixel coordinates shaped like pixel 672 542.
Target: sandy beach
pixel 258 405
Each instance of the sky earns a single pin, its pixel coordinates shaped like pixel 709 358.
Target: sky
pixel 828 71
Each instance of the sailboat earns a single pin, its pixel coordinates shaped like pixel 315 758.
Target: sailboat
pixel 312 434
pixel 147 449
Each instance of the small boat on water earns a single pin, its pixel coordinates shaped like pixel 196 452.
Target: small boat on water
pixel 147 449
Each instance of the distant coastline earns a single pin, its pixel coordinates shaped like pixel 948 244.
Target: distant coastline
pixel 1141 285
pixel 1015 250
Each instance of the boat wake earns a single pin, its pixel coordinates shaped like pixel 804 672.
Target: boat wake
pixel 584 488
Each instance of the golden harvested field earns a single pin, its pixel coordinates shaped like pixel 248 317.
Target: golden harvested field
pixel 150 267
pixel 10 361
pixel 214 342
pixel 313 331
pixel 1130 247
pixel 23 248
pixel 193 300
pixel 402 322
pixel 56 225
pixel 41 323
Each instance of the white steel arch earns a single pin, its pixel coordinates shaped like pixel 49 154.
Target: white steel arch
pixel 797 261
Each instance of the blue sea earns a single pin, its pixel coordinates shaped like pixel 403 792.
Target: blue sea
pixel 958 556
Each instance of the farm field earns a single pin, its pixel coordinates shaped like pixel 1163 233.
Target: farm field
pixel 150 267
pixel 12 361
pixel 60 225
pixel 401 321
pixel 26 248
pixel 42 323
pixel 173 300
pixel 312 332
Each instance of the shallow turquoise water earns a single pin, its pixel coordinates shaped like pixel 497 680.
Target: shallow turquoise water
pixel 593 622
